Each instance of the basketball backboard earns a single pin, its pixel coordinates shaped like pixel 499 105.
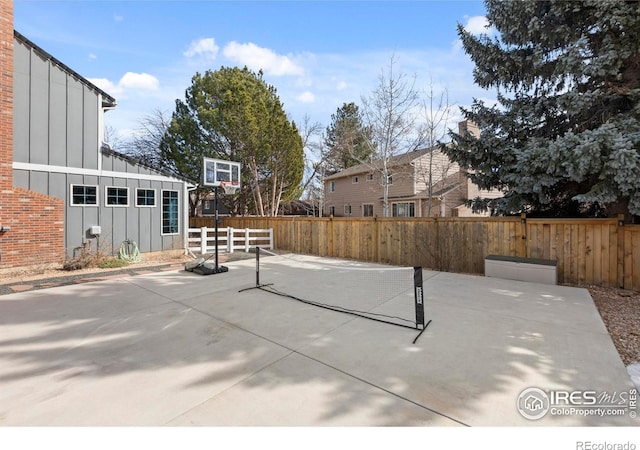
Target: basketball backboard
pixel 216 171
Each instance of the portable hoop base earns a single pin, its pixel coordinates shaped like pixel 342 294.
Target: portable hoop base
pixel 203 270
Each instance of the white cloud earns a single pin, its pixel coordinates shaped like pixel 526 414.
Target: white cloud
pixel 105 85
pixel 118 18
pixel 92 56
pixel 206 48
pixel 257 58
pixel 306 97
pixel 476 25
pixel 130 81
pixel 479 25
pixel 144 81
pixel 341 85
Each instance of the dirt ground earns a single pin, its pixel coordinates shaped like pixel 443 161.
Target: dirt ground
pixel 620 309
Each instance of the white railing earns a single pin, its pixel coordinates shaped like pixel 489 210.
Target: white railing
pixel 203 240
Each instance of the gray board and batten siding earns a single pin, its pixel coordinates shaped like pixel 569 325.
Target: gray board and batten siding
pixel 58 144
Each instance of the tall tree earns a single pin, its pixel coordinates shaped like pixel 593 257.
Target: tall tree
pixel 436 171
pixel 234 114
pixel 146 139
pixel 312 143
pixel 347 140
pixel 391 113
pixel 565 138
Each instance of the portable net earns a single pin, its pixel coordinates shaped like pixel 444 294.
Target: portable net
pixel 392 295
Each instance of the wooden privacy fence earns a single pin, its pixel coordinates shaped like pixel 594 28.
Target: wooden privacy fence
pixel 602 252
pixel 203 239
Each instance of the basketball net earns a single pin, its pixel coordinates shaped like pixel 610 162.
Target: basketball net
pixel 229 187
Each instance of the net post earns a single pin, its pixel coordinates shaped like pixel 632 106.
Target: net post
pixel 258 266
pixel 419 297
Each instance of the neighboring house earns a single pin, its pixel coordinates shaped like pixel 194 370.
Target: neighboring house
pixel 358 190
pixel 62 168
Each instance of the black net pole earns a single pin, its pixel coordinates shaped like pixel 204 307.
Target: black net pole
pixel 257 266
pixel 419 297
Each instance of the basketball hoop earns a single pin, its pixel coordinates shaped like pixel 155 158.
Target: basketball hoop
pixel 229 187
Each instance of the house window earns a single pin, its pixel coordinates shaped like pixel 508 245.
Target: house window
pixel 389 179
pixel 407 209
pixel 332 211
pixel 170 212
pixel 347 210
pixel 369 177
pixel 84 195
pixel 354 180
pixel 367 210
pixel 145 197
pixel 332 186
pixel 117 196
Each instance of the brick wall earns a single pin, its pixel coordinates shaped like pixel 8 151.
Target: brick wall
pixel 35 221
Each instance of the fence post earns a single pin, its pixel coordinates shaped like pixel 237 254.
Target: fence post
pixel 246 240
pixel 522 244
pixel 620 265
pixel 270 238
pixel 203 240
pixel 230 239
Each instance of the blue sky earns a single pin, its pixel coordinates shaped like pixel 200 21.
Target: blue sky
pixel 317 54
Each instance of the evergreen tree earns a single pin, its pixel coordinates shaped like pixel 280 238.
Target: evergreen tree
pixel 565 138
pixel 347 140
pixel 233 114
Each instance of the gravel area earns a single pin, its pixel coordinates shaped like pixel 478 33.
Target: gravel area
pixel 620 311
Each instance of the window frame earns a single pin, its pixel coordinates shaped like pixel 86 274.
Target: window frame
pixel 348 210
pixel 354 179
pixel 410 205
pixel 332 186
pixel 96 195
pixel 155 201
pixel 117 205
pixel 162 213
pixel 364 210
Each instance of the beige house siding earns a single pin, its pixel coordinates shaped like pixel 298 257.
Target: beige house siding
pixel 344 196
pixel 347 192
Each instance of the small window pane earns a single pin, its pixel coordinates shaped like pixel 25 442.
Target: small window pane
pixel 145 197
pixel 117 196
pixel 84 195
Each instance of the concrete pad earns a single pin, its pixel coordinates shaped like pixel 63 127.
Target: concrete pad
pixel 177 348
pixel 299 391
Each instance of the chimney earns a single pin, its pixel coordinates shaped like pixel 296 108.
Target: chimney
pixel 468 127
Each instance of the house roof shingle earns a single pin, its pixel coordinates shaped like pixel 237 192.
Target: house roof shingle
pixel 394 161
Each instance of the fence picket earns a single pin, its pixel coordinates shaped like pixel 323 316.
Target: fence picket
pixel 587 251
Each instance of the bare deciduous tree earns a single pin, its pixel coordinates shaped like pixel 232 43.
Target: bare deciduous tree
pixel 436 171
pixel 391 112
pixel 144 145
